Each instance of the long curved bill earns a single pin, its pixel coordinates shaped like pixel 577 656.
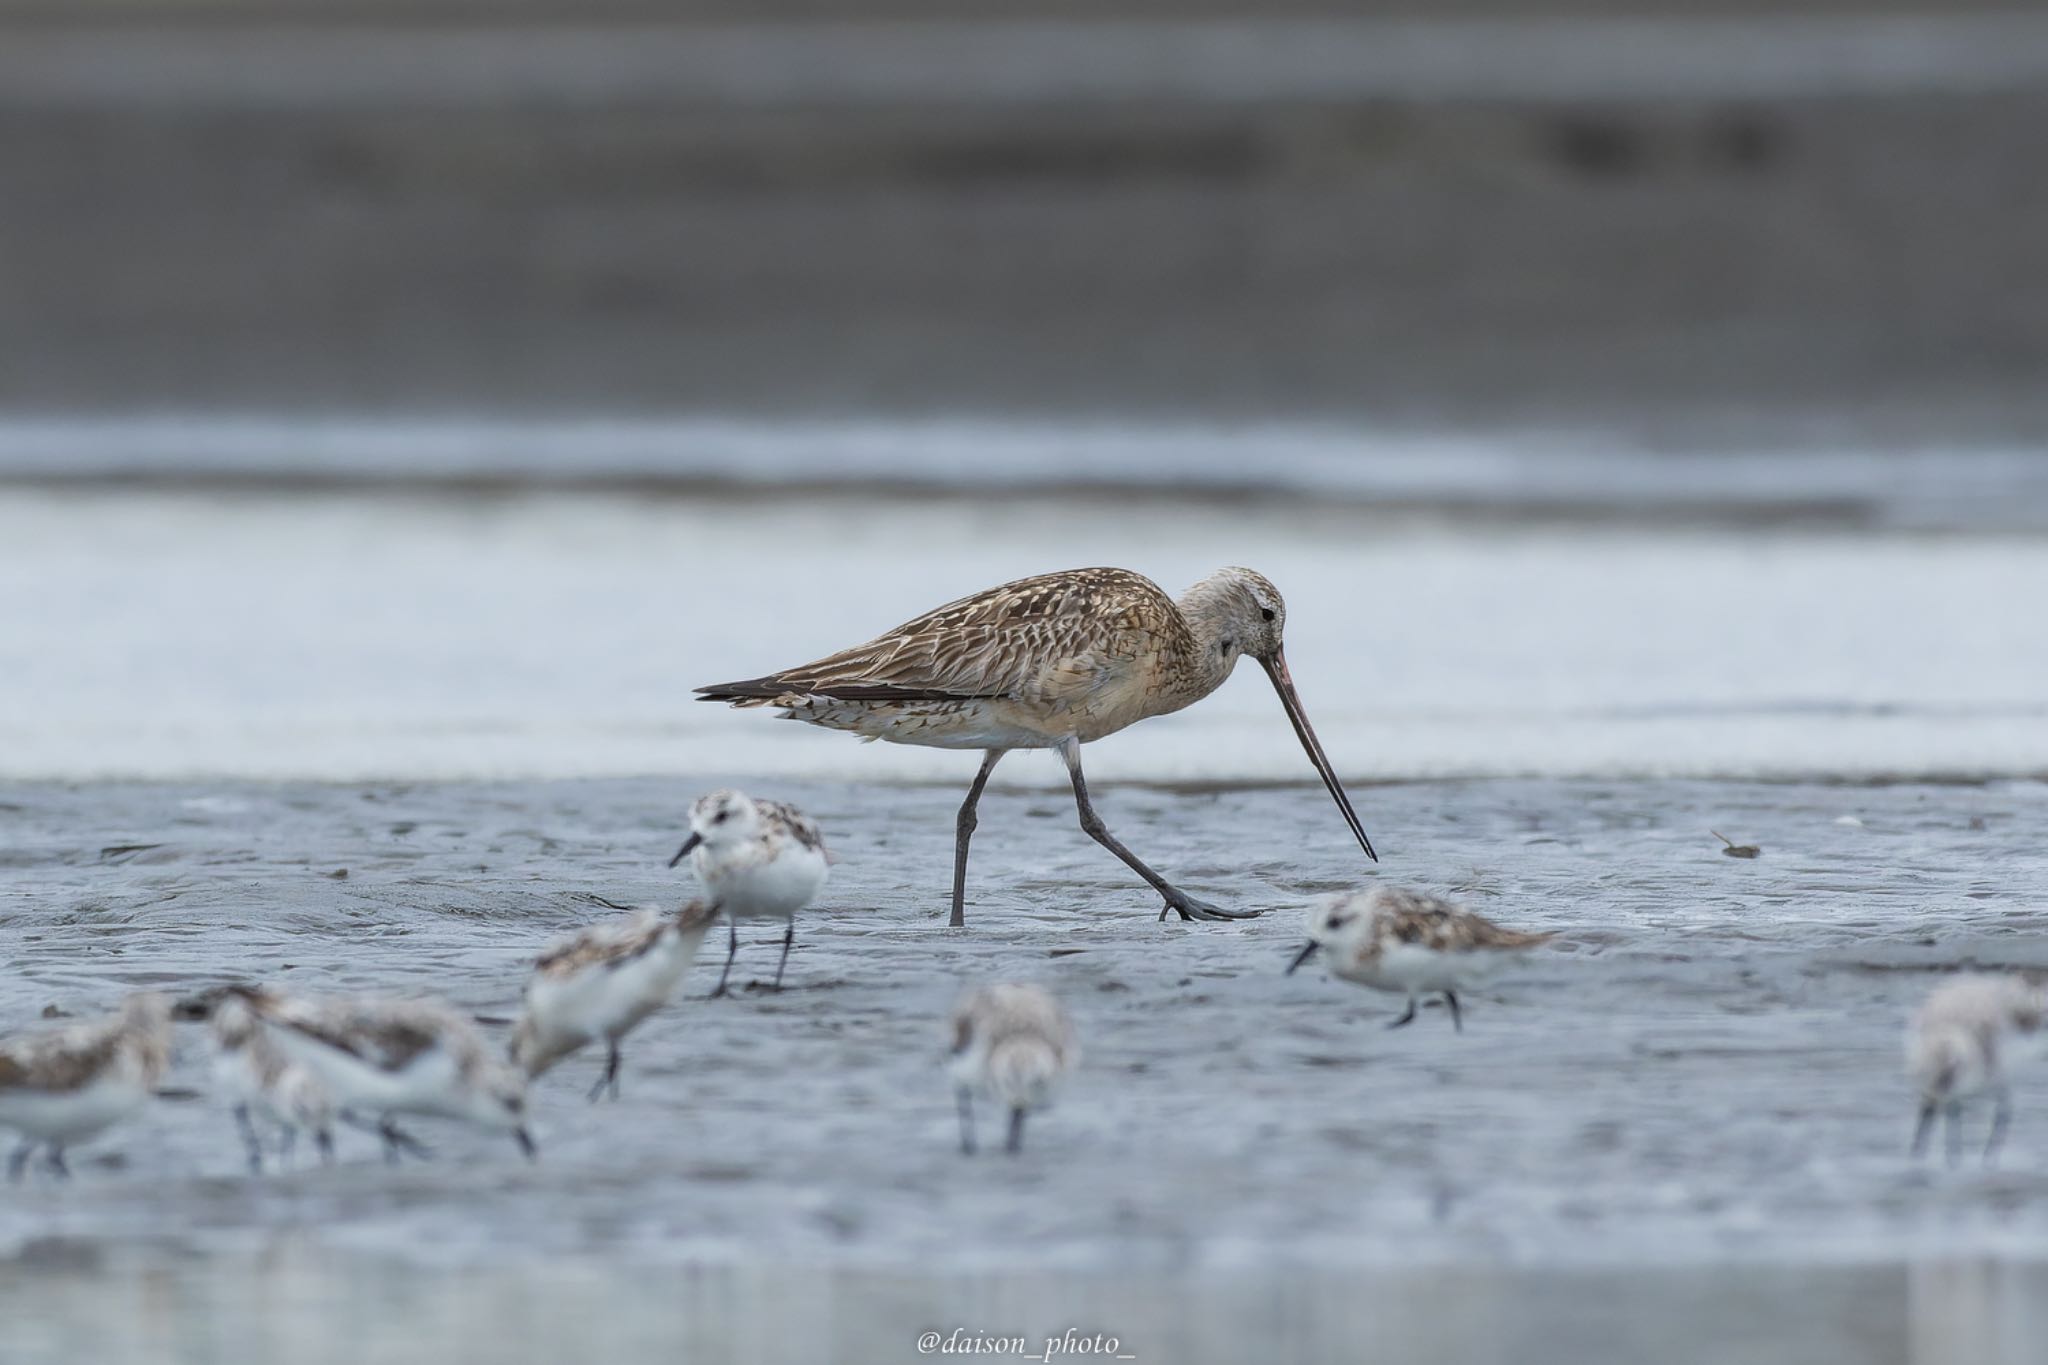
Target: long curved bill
pixel 1283 683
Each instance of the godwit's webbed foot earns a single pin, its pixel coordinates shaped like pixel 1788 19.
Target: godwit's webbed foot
pixel 1193 907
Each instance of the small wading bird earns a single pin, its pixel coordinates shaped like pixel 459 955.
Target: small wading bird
pixel 260 1080
pixel 69 1084
pixel 1403 941
pixel 599 983
pixel 758 860
pixel 396 1057
pixel 1050 662
pixel 1957 1047
pixel 1014 1044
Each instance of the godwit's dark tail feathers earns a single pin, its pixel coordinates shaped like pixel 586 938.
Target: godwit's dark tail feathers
pixel 758 690
pixel 752 689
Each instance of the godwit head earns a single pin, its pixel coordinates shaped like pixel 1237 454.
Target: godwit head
pixel 1051 662
pixel 1245 613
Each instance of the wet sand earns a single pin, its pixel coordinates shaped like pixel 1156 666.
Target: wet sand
pixel 1691 1103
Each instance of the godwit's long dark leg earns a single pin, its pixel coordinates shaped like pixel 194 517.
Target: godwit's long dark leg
pixel 1188 907
pixel 963 831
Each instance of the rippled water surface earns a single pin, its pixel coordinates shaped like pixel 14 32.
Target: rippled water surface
pixel 1703 1069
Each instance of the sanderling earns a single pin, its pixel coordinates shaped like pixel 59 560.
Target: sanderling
pixel 66 1085
pixel 1014 1044
pixel 253 1072
pixel 758 860
pixel 1956 1050
pixel 602 981
pixel 397 1057
pixel 1412 944
pixel 1051 662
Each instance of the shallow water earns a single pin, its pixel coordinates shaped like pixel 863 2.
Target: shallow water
pixel 1704 1068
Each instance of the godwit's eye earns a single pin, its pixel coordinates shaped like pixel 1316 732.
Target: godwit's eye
pixel 1266 612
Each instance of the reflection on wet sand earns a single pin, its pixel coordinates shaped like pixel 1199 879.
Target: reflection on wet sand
pixel 66 1303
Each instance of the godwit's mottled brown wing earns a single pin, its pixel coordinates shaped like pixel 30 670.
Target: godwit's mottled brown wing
pixel 1036 639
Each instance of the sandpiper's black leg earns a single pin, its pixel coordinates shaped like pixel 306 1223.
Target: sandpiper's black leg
pixel 1457 1019
pixel 610 1079
pixel 324 1139
pixel 1952 1118
pixel 788 937
pixel 1407 1018
pixel 966 1122
pixel 2001 1119
pixel 1924 1129
pixel 287 1144
pixel 250 1142
pixel 18 1163
pixel 963 832
pixel 1015 1143
pixel 54 1159
pixel 1178 901
pixel 398 1142
pixel 732 950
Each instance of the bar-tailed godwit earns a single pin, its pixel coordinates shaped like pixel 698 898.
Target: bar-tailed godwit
pixel 596 985
pixel 70 1084
pixel 1049 662
pixel 757 860
pixel 1956 1051
pixel 1014 1044
pixel 1411 944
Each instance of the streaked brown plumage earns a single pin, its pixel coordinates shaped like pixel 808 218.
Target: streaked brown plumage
pixel 599 984
pixel 1049 662
pixel 69 1084
pixel 65 1059
pixel 1409 942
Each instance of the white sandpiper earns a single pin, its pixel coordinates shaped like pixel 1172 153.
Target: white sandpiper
pixel 1958 1047
pixel 1014 1044
pixel 260 1081
pixel 600 982
pixel 65 1085
pixel 757 860
pixel 391 1057
pixel 1410 943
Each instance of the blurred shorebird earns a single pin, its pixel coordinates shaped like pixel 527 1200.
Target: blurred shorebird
pixel 1411 944
pixel 1049 662
pixel 1958 1047
pixel 1015 1044
pixel 396 1057
pixel 599 983
pixel 66 1085
pixel 261 1081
